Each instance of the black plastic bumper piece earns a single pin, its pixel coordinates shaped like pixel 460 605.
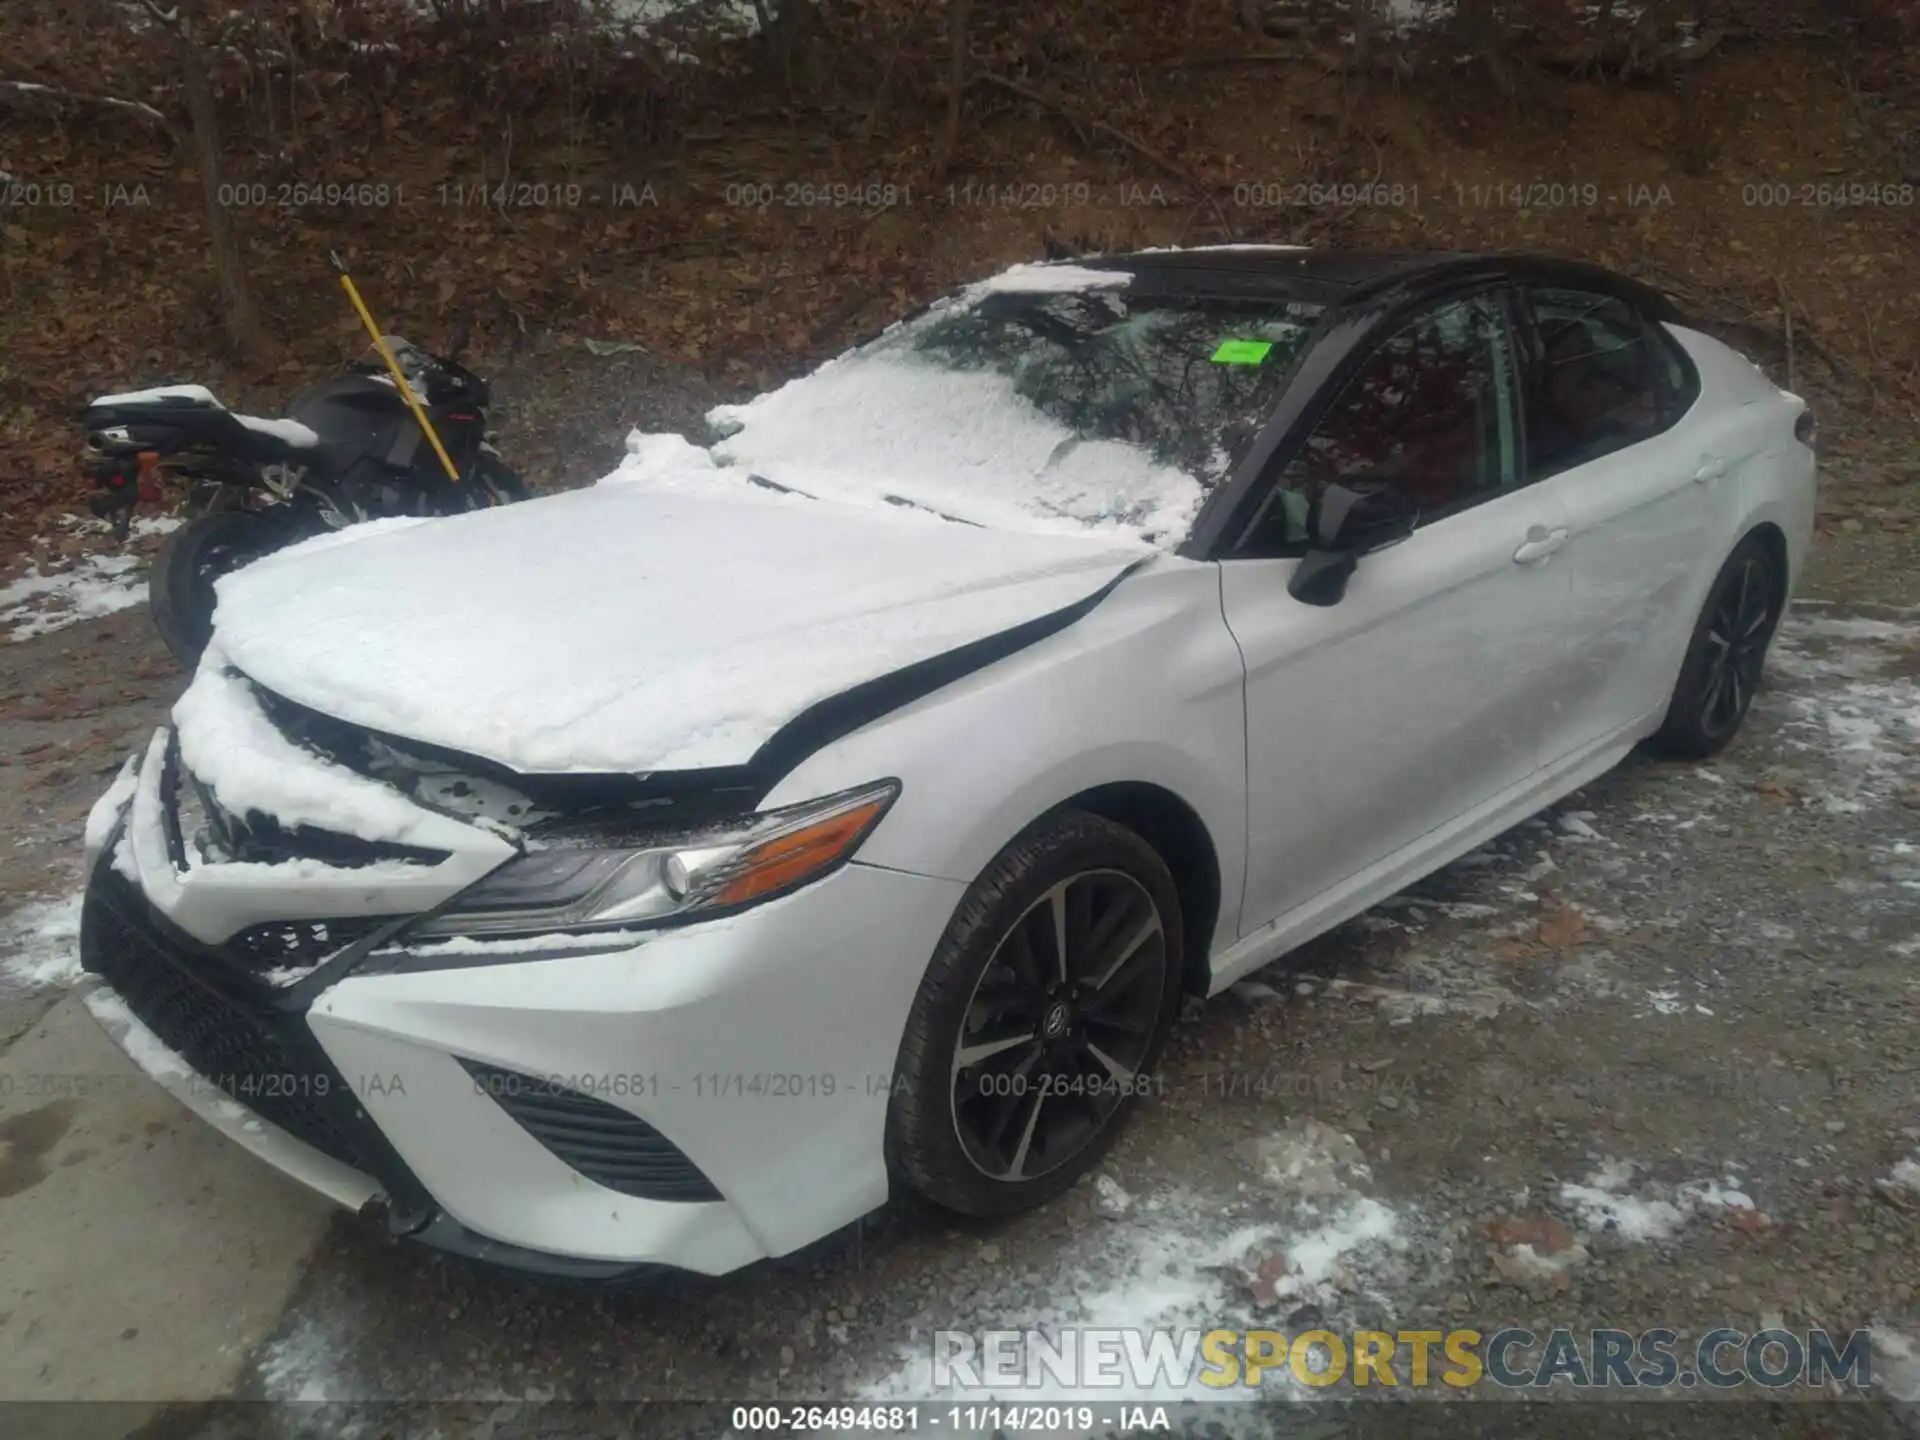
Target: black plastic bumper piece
pixel 608 1145
pixel 237 1033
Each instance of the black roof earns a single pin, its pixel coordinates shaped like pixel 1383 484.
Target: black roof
pixel 1344 277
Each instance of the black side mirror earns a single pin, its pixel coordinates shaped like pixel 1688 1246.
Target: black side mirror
pixel 1344 525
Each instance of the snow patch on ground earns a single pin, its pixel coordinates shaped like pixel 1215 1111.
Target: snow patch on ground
pixel 1418 14
pixel 1850 693
pixel 40 944
pixel 1185 1262
pixel 1645 1211
pixel 303 1365
pixel 56 593
pixel 1896 1363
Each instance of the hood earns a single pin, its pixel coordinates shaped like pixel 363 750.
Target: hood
pixel 672 625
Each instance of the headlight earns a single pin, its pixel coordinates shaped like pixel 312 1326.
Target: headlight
pixel 567 888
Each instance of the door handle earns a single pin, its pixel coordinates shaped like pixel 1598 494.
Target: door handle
pixel 1711 468
pixel 1541 542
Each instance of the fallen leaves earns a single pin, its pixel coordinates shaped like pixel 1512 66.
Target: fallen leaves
pixel 1561 927
pixel 1545 1234
pixel 1534 1253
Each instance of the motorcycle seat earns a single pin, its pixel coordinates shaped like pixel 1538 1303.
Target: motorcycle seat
pixel 173 418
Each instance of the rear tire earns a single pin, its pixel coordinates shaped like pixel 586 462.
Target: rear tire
pixel 498 483
pixel 180 584
pixel 1727 654
pixel 986 1124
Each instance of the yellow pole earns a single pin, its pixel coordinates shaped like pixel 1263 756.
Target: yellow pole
pixel 393 367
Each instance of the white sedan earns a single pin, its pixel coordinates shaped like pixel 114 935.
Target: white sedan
pixel 665 872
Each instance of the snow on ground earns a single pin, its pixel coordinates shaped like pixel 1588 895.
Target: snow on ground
pixel 1851 693
pixel 1905 1175
pixel 1643 1210
pixel 40 945
pixel 52 595
pixel 1896 1362
pixel 304 1365
pixel 731 17
pixel 1187 1263
pixel 1417 14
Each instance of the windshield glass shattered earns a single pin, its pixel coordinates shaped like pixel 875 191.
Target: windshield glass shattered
pixel 1083 410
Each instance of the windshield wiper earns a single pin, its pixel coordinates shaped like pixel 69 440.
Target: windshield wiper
pixel 904 503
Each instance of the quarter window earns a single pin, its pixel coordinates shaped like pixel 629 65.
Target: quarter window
pixel 1430 413
pixel 1604 378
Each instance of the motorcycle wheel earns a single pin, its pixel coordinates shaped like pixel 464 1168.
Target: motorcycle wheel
pixel 499 484
pixel 180 584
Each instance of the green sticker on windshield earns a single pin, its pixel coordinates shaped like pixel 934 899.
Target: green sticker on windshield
pixel 1242 352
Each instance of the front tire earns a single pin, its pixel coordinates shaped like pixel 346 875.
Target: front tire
pixel 1727 654
pixel 180 584
pixel 1040 1019
pixel 497 483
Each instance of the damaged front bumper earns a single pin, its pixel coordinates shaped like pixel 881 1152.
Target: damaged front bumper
pixel 700 1097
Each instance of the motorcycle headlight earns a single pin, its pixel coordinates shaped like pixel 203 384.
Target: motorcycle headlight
pixel 568 888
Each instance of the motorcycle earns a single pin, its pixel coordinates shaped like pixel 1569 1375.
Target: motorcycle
pixel 349 449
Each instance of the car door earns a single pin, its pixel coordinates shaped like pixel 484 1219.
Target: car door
pixel 1416 697
pixel 1614 436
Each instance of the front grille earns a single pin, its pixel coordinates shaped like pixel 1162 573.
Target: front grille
pixel 262 1057
pixel 282 952
pixel 611 1146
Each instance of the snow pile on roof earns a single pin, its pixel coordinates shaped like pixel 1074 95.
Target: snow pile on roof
pixel 1041 277
pixel 40 944
pixel 1646 1211
pixel 56 593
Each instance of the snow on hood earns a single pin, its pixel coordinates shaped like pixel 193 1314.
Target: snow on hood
pixel 673 622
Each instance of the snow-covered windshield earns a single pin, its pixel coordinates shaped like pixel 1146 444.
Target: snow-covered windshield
pixel 1072 409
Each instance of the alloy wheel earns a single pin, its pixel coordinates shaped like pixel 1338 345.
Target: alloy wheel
pixel 1737 636
pixel 1058 1025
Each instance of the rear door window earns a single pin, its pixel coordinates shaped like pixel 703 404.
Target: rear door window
pixel 1603 377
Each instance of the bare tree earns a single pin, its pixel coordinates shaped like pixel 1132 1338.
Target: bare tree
pixel 959 38
pixel 242 318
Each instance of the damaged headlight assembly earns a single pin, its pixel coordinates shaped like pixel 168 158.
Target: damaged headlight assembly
pixel 572 887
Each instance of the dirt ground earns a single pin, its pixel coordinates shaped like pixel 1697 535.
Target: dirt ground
pixel 1649 1058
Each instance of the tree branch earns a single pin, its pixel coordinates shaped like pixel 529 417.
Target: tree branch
pixel 29 91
